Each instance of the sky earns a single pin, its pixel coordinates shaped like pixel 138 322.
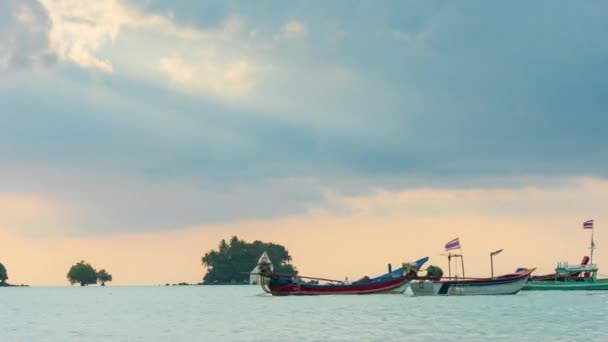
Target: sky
pixel 136 134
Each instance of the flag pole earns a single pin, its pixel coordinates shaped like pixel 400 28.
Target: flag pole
pixel 449 265
pixel 462 261
pixel 592 244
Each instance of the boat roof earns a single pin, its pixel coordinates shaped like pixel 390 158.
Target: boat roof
pixel 564 268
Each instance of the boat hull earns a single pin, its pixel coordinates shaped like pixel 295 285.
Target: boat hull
pixel 395 282
pixel 425 288
pixel 395 285
pixel 506 285
pixel 398 290
pixel 535 285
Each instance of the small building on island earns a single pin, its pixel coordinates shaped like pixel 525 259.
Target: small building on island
pixel 254 276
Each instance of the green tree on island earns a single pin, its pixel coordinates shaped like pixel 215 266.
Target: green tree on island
pixel 3 275
pixel 233 261
pixel 103 276
pixel 82 273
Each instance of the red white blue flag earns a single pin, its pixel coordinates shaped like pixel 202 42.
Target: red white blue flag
pixel 588 224
pixel 453 244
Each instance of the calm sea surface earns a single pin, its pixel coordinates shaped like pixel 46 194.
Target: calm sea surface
pixel 242 313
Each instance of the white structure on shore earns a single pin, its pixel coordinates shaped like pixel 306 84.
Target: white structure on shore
pixel 254 277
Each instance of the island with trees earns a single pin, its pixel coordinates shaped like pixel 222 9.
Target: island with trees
pixel 103 276
pixel 232 261
pixel 84 274
pixel 4 278
pixel 3 275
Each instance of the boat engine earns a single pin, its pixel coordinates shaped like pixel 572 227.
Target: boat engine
pixel 434 273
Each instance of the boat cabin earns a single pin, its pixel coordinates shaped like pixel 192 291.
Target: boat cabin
pixel 566 272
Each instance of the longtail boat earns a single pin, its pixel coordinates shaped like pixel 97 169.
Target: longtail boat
pixel 571 277
pixel 392 282
pixel 434 283
pixel 501 285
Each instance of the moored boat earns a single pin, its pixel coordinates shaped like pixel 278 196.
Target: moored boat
pixel 434 284
pixel 391 282
pixel 501 285
pixel 571 277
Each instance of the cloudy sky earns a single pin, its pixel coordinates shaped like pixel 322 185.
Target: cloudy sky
pixel 135 134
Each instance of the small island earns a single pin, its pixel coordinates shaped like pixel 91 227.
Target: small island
pixel 232 262
pixel 84 274
pixel 3 275
pixel 4 278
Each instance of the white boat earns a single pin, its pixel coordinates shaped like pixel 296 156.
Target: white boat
pixel 502 285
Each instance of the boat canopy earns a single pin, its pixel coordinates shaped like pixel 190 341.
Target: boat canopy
pixel 564 268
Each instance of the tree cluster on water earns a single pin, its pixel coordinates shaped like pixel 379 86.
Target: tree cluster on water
pixel 232 261
pixel 84 274
pixel 3 275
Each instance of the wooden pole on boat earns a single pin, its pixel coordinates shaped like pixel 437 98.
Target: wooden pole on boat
pixel 462 261
pixel 592 245
pixel 455 265
pixel 492 254
pixel 449 265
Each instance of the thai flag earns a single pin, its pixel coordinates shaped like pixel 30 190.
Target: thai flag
pixel 454 244
pixel 588 224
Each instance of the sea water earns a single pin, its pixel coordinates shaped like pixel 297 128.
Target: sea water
pixel 244 313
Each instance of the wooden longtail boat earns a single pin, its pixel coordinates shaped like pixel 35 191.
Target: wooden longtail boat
pixel 392 282
pixel 571 277
pixel 501 285
pixel 434 284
